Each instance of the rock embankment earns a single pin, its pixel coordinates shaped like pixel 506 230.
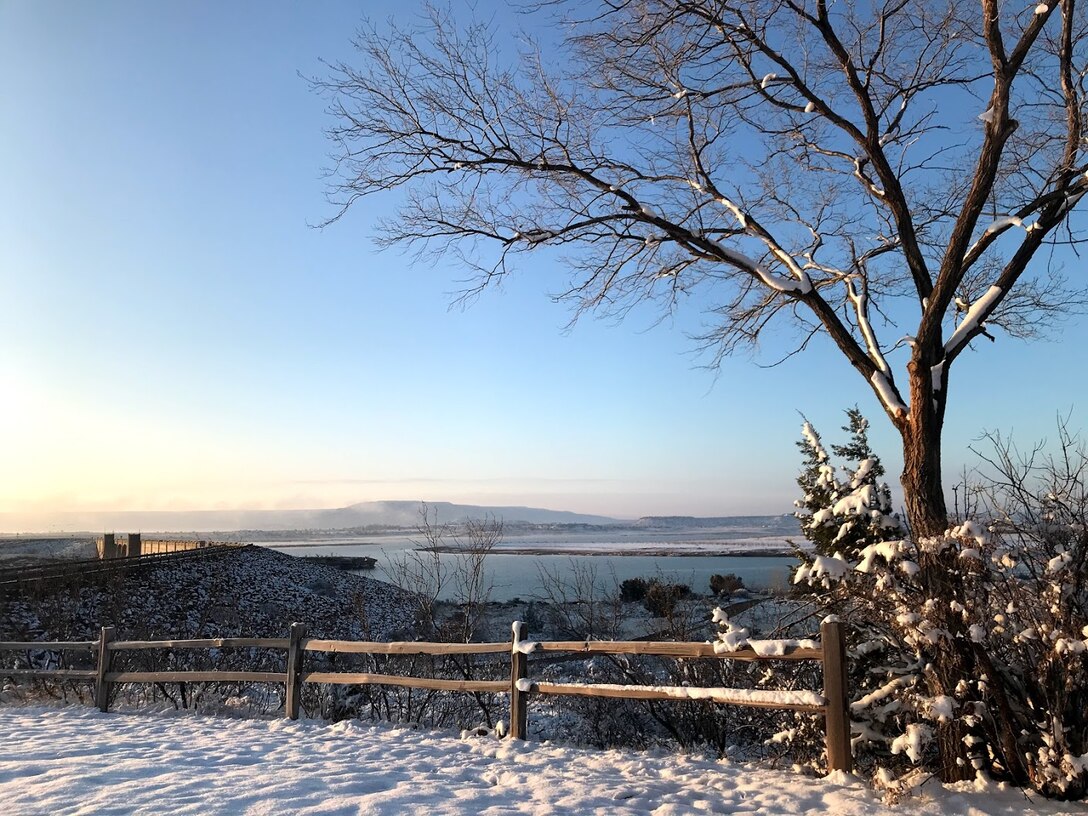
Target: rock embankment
pixel 252 592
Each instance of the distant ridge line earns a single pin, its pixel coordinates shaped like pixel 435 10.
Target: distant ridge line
pixel 393 514
pixel 400 515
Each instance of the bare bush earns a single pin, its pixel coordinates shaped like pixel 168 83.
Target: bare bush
pixel 446 574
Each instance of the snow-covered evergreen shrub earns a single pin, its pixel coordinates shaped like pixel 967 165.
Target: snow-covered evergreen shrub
pixel 844 511
pixel 1000 601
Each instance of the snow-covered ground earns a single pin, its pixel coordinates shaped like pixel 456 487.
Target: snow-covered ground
pixel 77 761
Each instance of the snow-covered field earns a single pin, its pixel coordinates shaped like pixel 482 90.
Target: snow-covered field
pixel 77 761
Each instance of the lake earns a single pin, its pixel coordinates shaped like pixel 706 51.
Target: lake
pixel 517 566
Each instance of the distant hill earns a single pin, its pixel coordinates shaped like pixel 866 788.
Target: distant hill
pixel 403 514
pixel 406 514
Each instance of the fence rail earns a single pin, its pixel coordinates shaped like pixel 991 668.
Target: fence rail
pixel 199 643
pixel 52 645
pixel 815 705
pixel 401 647
pixel 831 704
pixel 668 648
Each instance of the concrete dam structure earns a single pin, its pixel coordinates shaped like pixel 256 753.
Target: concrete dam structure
pixel 133 545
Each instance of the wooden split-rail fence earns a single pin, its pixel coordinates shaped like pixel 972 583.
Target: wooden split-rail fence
pixel 830 652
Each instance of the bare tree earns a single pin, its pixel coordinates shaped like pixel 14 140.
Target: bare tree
pixel 460 579
pixel 452 594
pixel 888 174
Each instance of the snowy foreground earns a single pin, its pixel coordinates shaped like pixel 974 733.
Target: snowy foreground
pixel 77 761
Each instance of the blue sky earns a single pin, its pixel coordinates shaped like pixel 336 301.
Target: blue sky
pixel 174 334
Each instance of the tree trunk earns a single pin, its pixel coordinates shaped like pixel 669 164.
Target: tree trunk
pixel 927 517
pixel 923 491
pixel 953 658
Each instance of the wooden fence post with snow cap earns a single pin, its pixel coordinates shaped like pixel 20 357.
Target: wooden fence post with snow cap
pixel 105 665
pixel 839 757
pixel 519 672
pixel 294 669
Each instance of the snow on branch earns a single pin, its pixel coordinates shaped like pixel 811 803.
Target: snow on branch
pixel 913 741
pixel 996 227
pixel 870 185
pixel 824 570
pixel 802 285
pixel 768 278
pixel 860 300
pixel 877 695
pixel 937 375
pixel 813 440
pixel 887 394
pixel 978 310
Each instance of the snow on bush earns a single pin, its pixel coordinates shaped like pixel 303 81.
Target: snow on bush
pixel 1002 596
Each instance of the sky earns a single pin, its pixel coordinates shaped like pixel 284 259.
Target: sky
pixel 176 334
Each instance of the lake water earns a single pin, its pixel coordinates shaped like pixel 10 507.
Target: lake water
pixel 522 575
pixel 687 556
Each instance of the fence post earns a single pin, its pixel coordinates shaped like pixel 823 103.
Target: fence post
pixel 294 669
pixel 839 757
pixel 519 670
pixel 105 665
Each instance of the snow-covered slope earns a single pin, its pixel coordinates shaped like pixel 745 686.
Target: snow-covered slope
pixel 77 761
